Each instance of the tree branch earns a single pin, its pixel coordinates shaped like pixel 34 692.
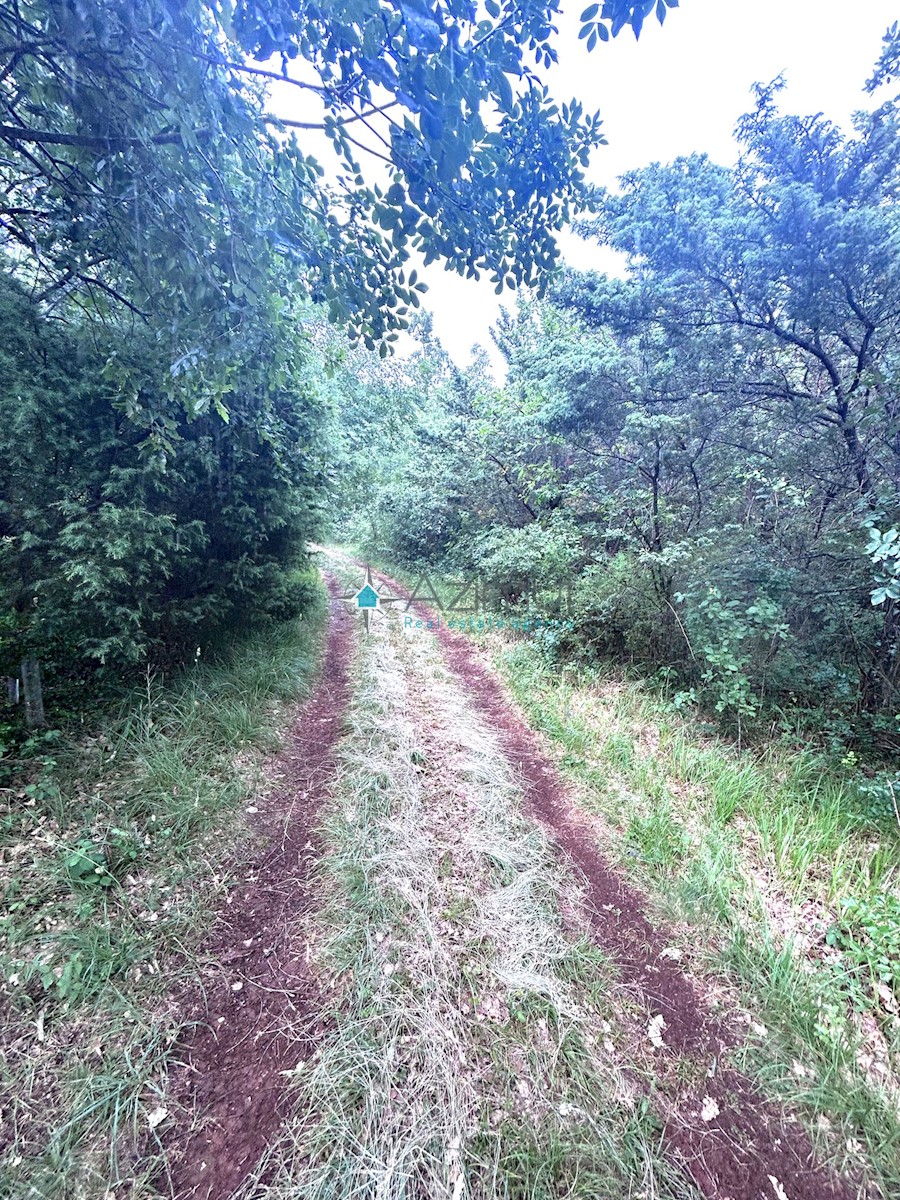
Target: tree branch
pixel 16 133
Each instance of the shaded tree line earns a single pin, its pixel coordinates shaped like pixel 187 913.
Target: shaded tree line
pixel 169 252
pixel 708 448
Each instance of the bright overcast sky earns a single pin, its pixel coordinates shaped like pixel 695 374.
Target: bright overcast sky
pixel 681 89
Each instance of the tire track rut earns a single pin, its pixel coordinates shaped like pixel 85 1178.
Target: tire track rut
pixel 260 1015
pixel 752 1148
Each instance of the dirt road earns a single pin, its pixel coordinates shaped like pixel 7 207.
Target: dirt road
pixel 510 1021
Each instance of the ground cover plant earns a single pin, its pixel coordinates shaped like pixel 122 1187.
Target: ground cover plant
pixel 117 849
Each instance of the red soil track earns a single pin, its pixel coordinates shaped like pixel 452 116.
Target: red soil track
pixel 735 1155
pixel 238 1049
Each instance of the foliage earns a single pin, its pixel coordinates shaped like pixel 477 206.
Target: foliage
pixel 729 640
pixel 888 66
pixel 868 933
pixel 717 433
pixel 884 551
pixel 164 394
pixel 144 173
pixel 524 560
pixel 110 557
pixel 86 865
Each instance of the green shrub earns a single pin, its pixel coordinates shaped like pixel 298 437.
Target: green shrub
pixel 868 933
pixel 113 558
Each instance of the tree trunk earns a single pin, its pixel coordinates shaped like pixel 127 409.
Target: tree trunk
pixel 34 697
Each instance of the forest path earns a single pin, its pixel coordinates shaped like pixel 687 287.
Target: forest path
pixel 507 1019
pixel 750 1148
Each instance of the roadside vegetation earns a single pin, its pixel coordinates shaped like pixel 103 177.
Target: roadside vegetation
pixel 702 455
pixel 778 869
pixel 118 846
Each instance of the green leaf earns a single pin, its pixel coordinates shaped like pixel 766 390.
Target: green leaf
pixel 505 97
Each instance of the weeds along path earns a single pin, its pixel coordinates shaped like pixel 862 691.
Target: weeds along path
pixel 257 1012
pixel 734 1144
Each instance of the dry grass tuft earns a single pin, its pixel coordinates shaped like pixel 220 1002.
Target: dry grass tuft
pixel 473 1052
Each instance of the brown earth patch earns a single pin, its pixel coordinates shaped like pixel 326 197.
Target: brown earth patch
pixel 255 1013
pixel 751 1145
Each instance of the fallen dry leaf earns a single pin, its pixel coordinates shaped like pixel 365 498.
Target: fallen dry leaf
pixel 654 1031
pixel 710 1109
pixel 157 1116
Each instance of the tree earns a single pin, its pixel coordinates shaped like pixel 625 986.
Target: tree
pixel 888 66
pixel 143 170
pixel 108 557
pixel 165 235
pixel 794 254
pixel 715 438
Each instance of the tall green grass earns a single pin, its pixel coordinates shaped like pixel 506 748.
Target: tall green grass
pixel 117 850
pixel 789 881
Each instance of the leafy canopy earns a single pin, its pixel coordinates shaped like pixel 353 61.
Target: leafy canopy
pixel 144 169
pixel 709 448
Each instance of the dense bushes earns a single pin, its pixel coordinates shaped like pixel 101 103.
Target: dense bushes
pixel 708 449
pixel 111 557
pixel 160 392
